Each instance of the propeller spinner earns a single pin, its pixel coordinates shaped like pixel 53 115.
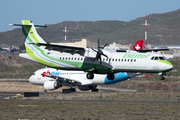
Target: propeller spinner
pixel 99 52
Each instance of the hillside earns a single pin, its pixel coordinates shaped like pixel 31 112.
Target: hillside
pixel 12 66
pixel 163 29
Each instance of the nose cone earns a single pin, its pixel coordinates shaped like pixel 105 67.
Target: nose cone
pixel 31 79
pixel 167 65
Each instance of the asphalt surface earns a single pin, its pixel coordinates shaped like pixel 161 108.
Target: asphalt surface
pixel 5 95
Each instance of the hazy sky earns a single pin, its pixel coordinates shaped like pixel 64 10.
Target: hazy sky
pixel 54 11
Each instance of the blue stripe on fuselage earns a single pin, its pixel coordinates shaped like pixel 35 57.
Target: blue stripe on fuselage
pixel 121 76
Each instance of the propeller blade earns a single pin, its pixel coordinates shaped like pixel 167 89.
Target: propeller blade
pixel 105 45
pixel 98 44
pixel 105 55
pixel 100 61
pixel 94 49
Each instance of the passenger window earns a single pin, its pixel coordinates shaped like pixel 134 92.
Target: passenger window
pixel 112 59
pixel 60 58
pixel 116 60
pixel 109 60
pixel 81 59
pixel 72 58
pixel 122 60
pixel 131 60
pixel 128 60
pixel 119 60
pixel 125 60
pixel 134 60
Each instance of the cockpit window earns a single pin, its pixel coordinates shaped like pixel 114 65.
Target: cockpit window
pixel 161 58
pixel 152 58
pixel 34 73
pixel 158 58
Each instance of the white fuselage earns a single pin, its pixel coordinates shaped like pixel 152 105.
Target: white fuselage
pixel 116 62
pixel 39 77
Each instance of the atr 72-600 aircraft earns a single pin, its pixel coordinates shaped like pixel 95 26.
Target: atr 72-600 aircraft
pixel 52 79
pixel 90 60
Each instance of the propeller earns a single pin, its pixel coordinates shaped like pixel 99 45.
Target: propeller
pixel 99 52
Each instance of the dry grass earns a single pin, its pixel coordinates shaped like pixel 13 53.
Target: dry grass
pixel 87 110
pixel 95 109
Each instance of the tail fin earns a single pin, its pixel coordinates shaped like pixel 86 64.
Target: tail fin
pixel 138 45
pixel 30 33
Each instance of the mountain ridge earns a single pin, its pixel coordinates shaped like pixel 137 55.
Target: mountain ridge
pixel 163 29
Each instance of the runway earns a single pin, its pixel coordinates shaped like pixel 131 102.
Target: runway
pixel 5 95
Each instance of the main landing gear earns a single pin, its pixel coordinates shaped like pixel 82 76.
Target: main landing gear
pixel 94 89
pixel 71 89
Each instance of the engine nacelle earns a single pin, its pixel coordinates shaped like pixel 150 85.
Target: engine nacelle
pixel 52 85
pixel 85 87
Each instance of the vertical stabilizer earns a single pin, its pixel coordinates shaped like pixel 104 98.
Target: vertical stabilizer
pixel 138 45
pixel 31 35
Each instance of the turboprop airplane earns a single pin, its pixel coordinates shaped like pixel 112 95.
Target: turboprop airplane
pixel 52 79
pixel 92 61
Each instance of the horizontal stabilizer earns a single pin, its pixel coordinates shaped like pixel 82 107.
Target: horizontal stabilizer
pixel 151 50
pixel 27 25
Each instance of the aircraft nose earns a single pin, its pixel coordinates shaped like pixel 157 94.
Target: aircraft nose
pixel 30 79
pixel 169 66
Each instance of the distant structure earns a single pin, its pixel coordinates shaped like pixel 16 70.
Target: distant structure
pixel 146 30
pixel 115 46
pixel 65 32
pixel 77 24
pixel 83 43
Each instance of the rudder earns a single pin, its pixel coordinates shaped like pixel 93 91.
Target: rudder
pixel 31 35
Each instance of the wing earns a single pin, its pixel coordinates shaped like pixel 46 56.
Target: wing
pixel 62 48
pixel 77 82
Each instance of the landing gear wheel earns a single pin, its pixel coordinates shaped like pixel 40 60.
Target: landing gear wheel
pixel 90 75
pixel 162 77
pixel 95 90
pixel 73 89
pixel 66 90
pixel 44 90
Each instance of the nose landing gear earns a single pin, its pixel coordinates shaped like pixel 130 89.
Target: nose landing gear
pixel 162 76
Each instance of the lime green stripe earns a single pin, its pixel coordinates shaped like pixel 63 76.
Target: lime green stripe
pixel 165 61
